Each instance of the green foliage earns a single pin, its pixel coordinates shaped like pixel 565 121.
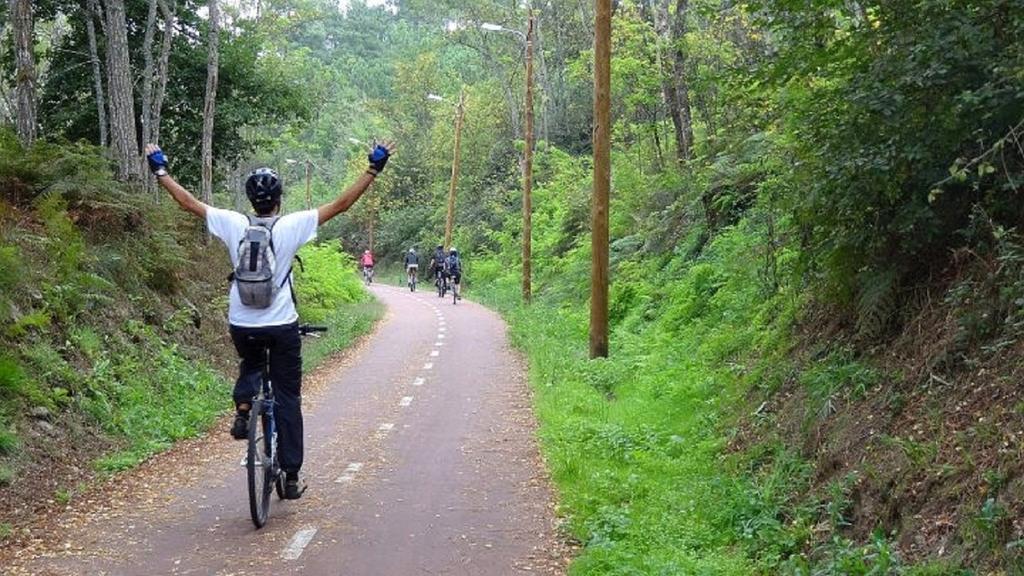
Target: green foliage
pixel 328 281
pixel 835 376
pixel 12 375
pixel 8 443
pixel 345 323
pixel 169 399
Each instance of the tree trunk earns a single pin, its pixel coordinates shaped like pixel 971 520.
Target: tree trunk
pixel 209 103
pixel 25 69
pixel 602 180
pixel 91 11
pixel 119 92
pixel 162 69
pixel 545 86
pixel 146 116
pixel 680 108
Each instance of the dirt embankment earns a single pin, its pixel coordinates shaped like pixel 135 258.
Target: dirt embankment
pixel 929 454
pixel 93 279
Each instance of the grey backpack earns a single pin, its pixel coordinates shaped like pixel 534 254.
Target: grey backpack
pixel 254 274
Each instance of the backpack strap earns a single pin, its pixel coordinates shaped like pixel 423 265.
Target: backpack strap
pixel 253 221
pixel 288 276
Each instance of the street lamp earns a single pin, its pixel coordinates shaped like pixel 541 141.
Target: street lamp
pixel 527 152
pixel 309 198
pixel 460 112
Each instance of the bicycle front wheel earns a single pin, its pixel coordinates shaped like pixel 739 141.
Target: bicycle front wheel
pixel 259 464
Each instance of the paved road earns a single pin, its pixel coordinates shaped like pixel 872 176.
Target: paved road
pixel 420 456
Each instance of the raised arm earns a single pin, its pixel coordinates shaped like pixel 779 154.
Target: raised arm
pixel 184 198
pixel 378 158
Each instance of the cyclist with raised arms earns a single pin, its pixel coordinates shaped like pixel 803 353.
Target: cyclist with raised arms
pixel 268 316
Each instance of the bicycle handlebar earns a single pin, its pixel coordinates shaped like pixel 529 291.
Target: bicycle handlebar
pixel 309 329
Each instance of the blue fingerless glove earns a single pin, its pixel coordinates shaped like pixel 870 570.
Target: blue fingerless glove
pixel 157 162
pixel 378 159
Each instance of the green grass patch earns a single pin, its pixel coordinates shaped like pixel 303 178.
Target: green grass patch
pixel 8 442
pixel 6 474
pixel 151 399
pixel 346 323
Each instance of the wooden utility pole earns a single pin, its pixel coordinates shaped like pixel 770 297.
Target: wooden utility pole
pixel 602 180
pixel 369 234
pixel 528 166
pixel 460 111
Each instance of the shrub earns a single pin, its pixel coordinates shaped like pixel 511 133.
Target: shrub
pixel 327 280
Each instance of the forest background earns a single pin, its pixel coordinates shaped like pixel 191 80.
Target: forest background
pixel 817 274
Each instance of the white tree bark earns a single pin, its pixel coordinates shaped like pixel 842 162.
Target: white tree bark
pixel 119 92
pixel 162 68
pixel 25 69
pixel 97 71
pixel 146 116
pixel 209 103
pixel 680 107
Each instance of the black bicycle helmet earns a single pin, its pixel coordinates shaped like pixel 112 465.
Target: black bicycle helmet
pixel 263 188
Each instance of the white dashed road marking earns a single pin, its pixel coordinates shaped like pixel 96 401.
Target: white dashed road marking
pixel 417 382
pixel 405 401
pixel 440 334
pixel 386 427
pixel 435 353
pixel 350 473
pixel 299 542
pixel 428 365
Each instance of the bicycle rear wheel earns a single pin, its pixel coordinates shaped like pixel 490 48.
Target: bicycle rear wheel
pixel 259 464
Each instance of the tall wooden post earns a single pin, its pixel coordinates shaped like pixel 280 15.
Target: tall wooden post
pixel 528 166
pixel 369 233
pixel 602 180
pixel 455 170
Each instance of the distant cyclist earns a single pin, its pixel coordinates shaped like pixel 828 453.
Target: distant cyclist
pixel 453 267
pixel 366 261
pixel 268 317
pixel 437 261
pixel 437 269
pixel 412 266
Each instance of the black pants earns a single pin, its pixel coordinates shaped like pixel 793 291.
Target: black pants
pixel 285 375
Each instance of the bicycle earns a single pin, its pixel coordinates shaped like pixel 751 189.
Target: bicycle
pixel 264 474
pixel 368 275
pixel 411 273
pixel 441 282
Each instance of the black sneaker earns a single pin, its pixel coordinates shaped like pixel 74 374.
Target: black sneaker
pixel 294 487
pixel 240 429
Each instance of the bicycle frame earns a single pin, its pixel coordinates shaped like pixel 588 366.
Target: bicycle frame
pixel 267 397
pixel 261 463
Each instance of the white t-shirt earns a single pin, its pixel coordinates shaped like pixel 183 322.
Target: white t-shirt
pixel 290 233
